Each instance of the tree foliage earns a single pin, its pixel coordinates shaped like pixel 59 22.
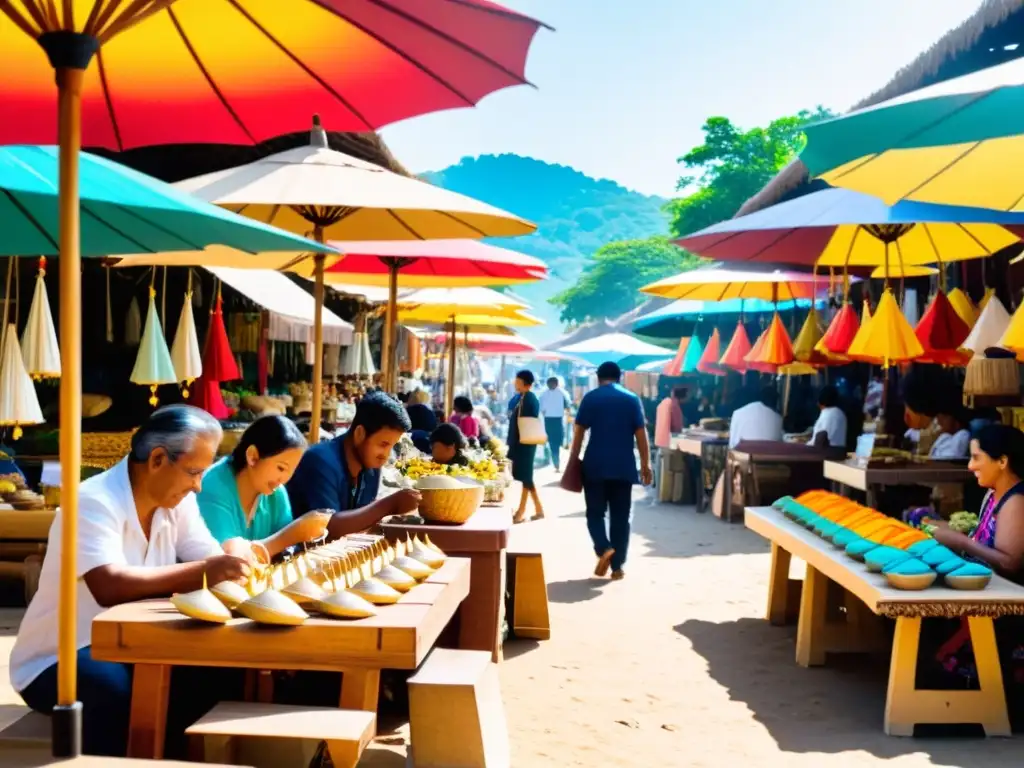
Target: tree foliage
pixel 611 280
pixel 731 166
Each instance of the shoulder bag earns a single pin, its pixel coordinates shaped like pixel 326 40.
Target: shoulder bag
pixel 531 428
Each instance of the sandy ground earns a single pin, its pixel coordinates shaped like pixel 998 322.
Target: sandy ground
pixel 674 666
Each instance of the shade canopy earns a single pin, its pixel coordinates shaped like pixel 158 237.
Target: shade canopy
pixel 677 318
pixel 724 284
pixel 216 71
pixel 958 141
pixel 487 343
pixel 839 227
pixel 123 212
pixel 895 271
pixel 618 348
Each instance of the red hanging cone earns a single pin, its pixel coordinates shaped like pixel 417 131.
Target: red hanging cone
pixel 206 394
pixel 841 331
pixel 708 362
pixel 737 350
pixel 218 360
pixel 941 332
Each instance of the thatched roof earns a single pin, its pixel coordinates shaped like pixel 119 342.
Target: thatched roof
pixel 977 43
pixel 175 162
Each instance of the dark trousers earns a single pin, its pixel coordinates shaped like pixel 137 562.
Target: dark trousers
pixel 611 499
pixel 105 691
pixel 556 435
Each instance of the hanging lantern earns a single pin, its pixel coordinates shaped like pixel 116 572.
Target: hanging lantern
pixel 39 340
pixel 219 362
pixel 153 365
pixel 941 331
pixel 133 324
pixel 772 349
pixel 19 405
pixel 989 293
pixel 840 332
pixel 887 336
pixel 806 344
pixel 708 362
pixel 1013 337
pixel 989 331
pixel 188 363
pixel 366 366
pixel 736 352
pixel 963 306
pixel 694 351
pixel 675 366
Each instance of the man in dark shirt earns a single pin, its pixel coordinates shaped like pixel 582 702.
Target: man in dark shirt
pixel 343 474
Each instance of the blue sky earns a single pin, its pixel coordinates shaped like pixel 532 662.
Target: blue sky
pixel 623 86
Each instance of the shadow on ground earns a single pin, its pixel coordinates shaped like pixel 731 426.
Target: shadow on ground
pixel 831 709
pixel 575 590
pixel 704 534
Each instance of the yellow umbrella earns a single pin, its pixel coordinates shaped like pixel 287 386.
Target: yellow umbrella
pixel 886 336
pixel 904 270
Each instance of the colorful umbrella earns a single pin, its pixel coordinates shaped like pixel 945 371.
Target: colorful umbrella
pixel 628 351
pixel 840 332
pixel 19 405
pixel 708 362
pixel 736 351
pixel 674 367
pixel 886 336
pixel 772 348
pixel 39 339
pixel 806 342
pixel 953 142
pixel 153 364
pixel 1013 336
pixel 724 284
pixel 219 365
pixel 941 331
pixel 676 319
pixel 896 271
pixel 842 228
pixel 964 307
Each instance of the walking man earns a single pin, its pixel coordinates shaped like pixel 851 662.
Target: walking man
pixel 615 419
pixel 554 405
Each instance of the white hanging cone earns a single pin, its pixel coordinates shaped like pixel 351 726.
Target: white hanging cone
pixel 18 402
pixel 153 366
pixel 133 324
pixel 989 330
pixel 39 341
pixel 350 356
pixel 185 353
pixel 366 367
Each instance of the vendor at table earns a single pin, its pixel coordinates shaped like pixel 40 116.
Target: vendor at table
pixel 244 502
pixel 447 445
pixel 758 419
pixel 343 474
pixel 136 521
pixel 829 431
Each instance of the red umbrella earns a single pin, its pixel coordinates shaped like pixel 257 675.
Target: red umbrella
pixel 841 331
pixel 941 331
pixel 735 354
pixel 219 365
pixel 708 362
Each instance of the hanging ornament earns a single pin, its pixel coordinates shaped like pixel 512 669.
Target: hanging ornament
pixel 941 332
pixel 219 362
pixel 133 324
pixel 856 349
pixel 805 345
pixel 1013 337
pixel 989 293
pixel 963 306
pixel 840 333
pixel 886 337
pixel 39 339
pixel 735 354
pixel 772 348
pixel 989 331
pixel 19 405
pixel 153 365
pixel 708 362
pixel 674 367
pixel 694 351
pixel 188 363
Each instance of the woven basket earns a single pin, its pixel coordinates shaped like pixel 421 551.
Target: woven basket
pixel 992 376
pixel 229 441
pixel 455 505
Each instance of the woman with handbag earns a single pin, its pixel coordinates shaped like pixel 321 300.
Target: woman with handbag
pixel 525 433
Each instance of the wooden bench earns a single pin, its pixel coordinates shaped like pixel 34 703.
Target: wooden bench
pixel 456 716
pixel 528 595
pixel 833 578
pixel 347 732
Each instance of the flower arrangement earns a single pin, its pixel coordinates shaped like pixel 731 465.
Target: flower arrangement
pixel 416 467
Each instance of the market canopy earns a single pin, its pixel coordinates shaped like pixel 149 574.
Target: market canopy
pixel 724 284
pixel 677 319
pixel 628 351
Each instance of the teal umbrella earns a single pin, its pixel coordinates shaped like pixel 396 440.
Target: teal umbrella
pixel 122 212
pixel 694 350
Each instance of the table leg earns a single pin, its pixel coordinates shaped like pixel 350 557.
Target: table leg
pixel 992 712
pixel 778 585
pixel 727 491
pixel 700 494
pixel 151 686
pixel 810 631
pixel 360 689
pixel 481 612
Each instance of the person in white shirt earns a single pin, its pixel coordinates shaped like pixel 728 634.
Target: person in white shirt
pixel 829 430
pixel 554 404
pixel 954 440
pixel 136 521
pixel 758 420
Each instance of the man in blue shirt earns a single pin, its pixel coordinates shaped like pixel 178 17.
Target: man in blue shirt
pixel 343 474
pixel 615 418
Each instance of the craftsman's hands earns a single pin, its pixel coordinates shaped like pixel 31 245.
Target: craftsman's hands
pixel 227 568
pixel 404 501
pixel 243 549
pixel 312 525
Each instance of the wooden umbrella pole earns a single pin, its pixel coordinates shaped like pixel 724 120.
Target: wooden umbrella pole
pixel 388 354
pixel 450 391
pixel 318 339
pixel 67 719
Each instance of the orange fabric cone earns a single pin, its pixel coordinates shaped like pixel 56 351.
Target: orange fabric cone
pixel 708 362
pixel 675 366
pixel 735 354
pixel 772 349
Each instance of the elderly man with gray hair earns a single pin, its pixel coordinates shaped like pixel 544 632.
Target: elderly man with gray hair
pixel 140 536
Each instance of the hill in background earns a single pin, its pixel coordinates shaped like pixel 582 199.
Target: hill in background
pixel 575 214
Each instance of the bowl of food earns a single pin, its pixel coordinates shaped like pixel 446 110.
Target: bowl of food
pixel 445 499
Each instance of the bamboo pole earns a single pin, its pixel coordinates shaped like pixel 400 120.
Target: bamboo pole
pixel 318 339
pixel 389 357
pixel 449 399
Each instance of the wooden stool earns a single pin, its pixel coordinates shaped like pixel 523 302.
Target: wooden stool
pixel 347 732
pixel 529 595
pixel 456 716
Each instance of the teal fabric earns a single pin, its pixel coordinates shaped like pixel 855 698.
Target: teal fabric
pixel 123 212
pixel 910 567
pixel 222 509
pixel 972 569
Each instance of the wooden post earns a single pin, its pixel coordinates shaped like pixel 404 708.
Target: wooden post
pixel 449 399
pixel 318 339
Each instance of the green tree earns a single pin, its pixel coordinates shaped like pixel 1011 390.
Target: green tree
pixel 731 166
pixel 611 280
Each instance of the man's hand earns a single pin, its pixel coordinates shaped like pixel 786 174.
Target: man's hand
pixel 312 525
pixel 241 548
pixel 646 476
pixel 227 568
pixel 404 501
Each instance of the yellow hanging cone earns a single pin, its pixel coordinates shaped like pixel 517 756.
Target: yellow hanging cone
pixel 797 368
pixel 963 306
pixel 887 336
pixel 153 366
pixel 39 340
pixel 992 325
pixel 805 346
pixel 1013 338
pixel 18 402
pixel 185 353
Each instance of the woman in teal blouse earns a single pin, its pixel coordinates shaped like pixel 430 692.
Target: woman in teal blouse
pixel 243 499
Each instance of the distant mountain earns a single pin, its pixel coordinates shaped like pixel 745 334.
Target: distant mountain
pixel 575 214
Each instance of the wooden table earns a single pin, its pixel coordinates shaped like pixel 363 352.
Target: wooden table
pixel 867 594
pixel 692 443
pixel 749 453
pixel 482 539
pixel 854 474
pixel 26 525
pixel 23 537
pixel 154 637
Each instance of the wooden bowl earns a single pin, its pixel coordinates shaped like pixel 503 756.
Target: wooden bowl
pixel 967 582
pixel 916 581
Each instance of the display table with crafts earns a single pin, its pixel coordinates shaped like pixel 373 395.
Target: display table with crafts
pixel 276 634
pixel 755 469
pixel 835 577
pixel 708 450
pixel 482 539
pixel 868 476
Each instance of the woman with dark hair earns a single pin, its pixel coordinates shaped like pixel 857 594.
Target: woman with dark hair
pixel 526 404
pixel 463 418
pixel 447 444
pixel 244 501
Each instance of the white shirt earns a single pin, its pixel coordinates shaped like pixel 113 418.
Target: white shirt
pixel 109 533
pixel 955 446
pixel 755 421
pixel 553 403
pixel 831 421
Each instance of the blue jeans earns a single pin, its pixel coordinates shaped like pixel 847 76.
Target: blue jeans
pixel 105 691
pixel 614 499
pixel 556 435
